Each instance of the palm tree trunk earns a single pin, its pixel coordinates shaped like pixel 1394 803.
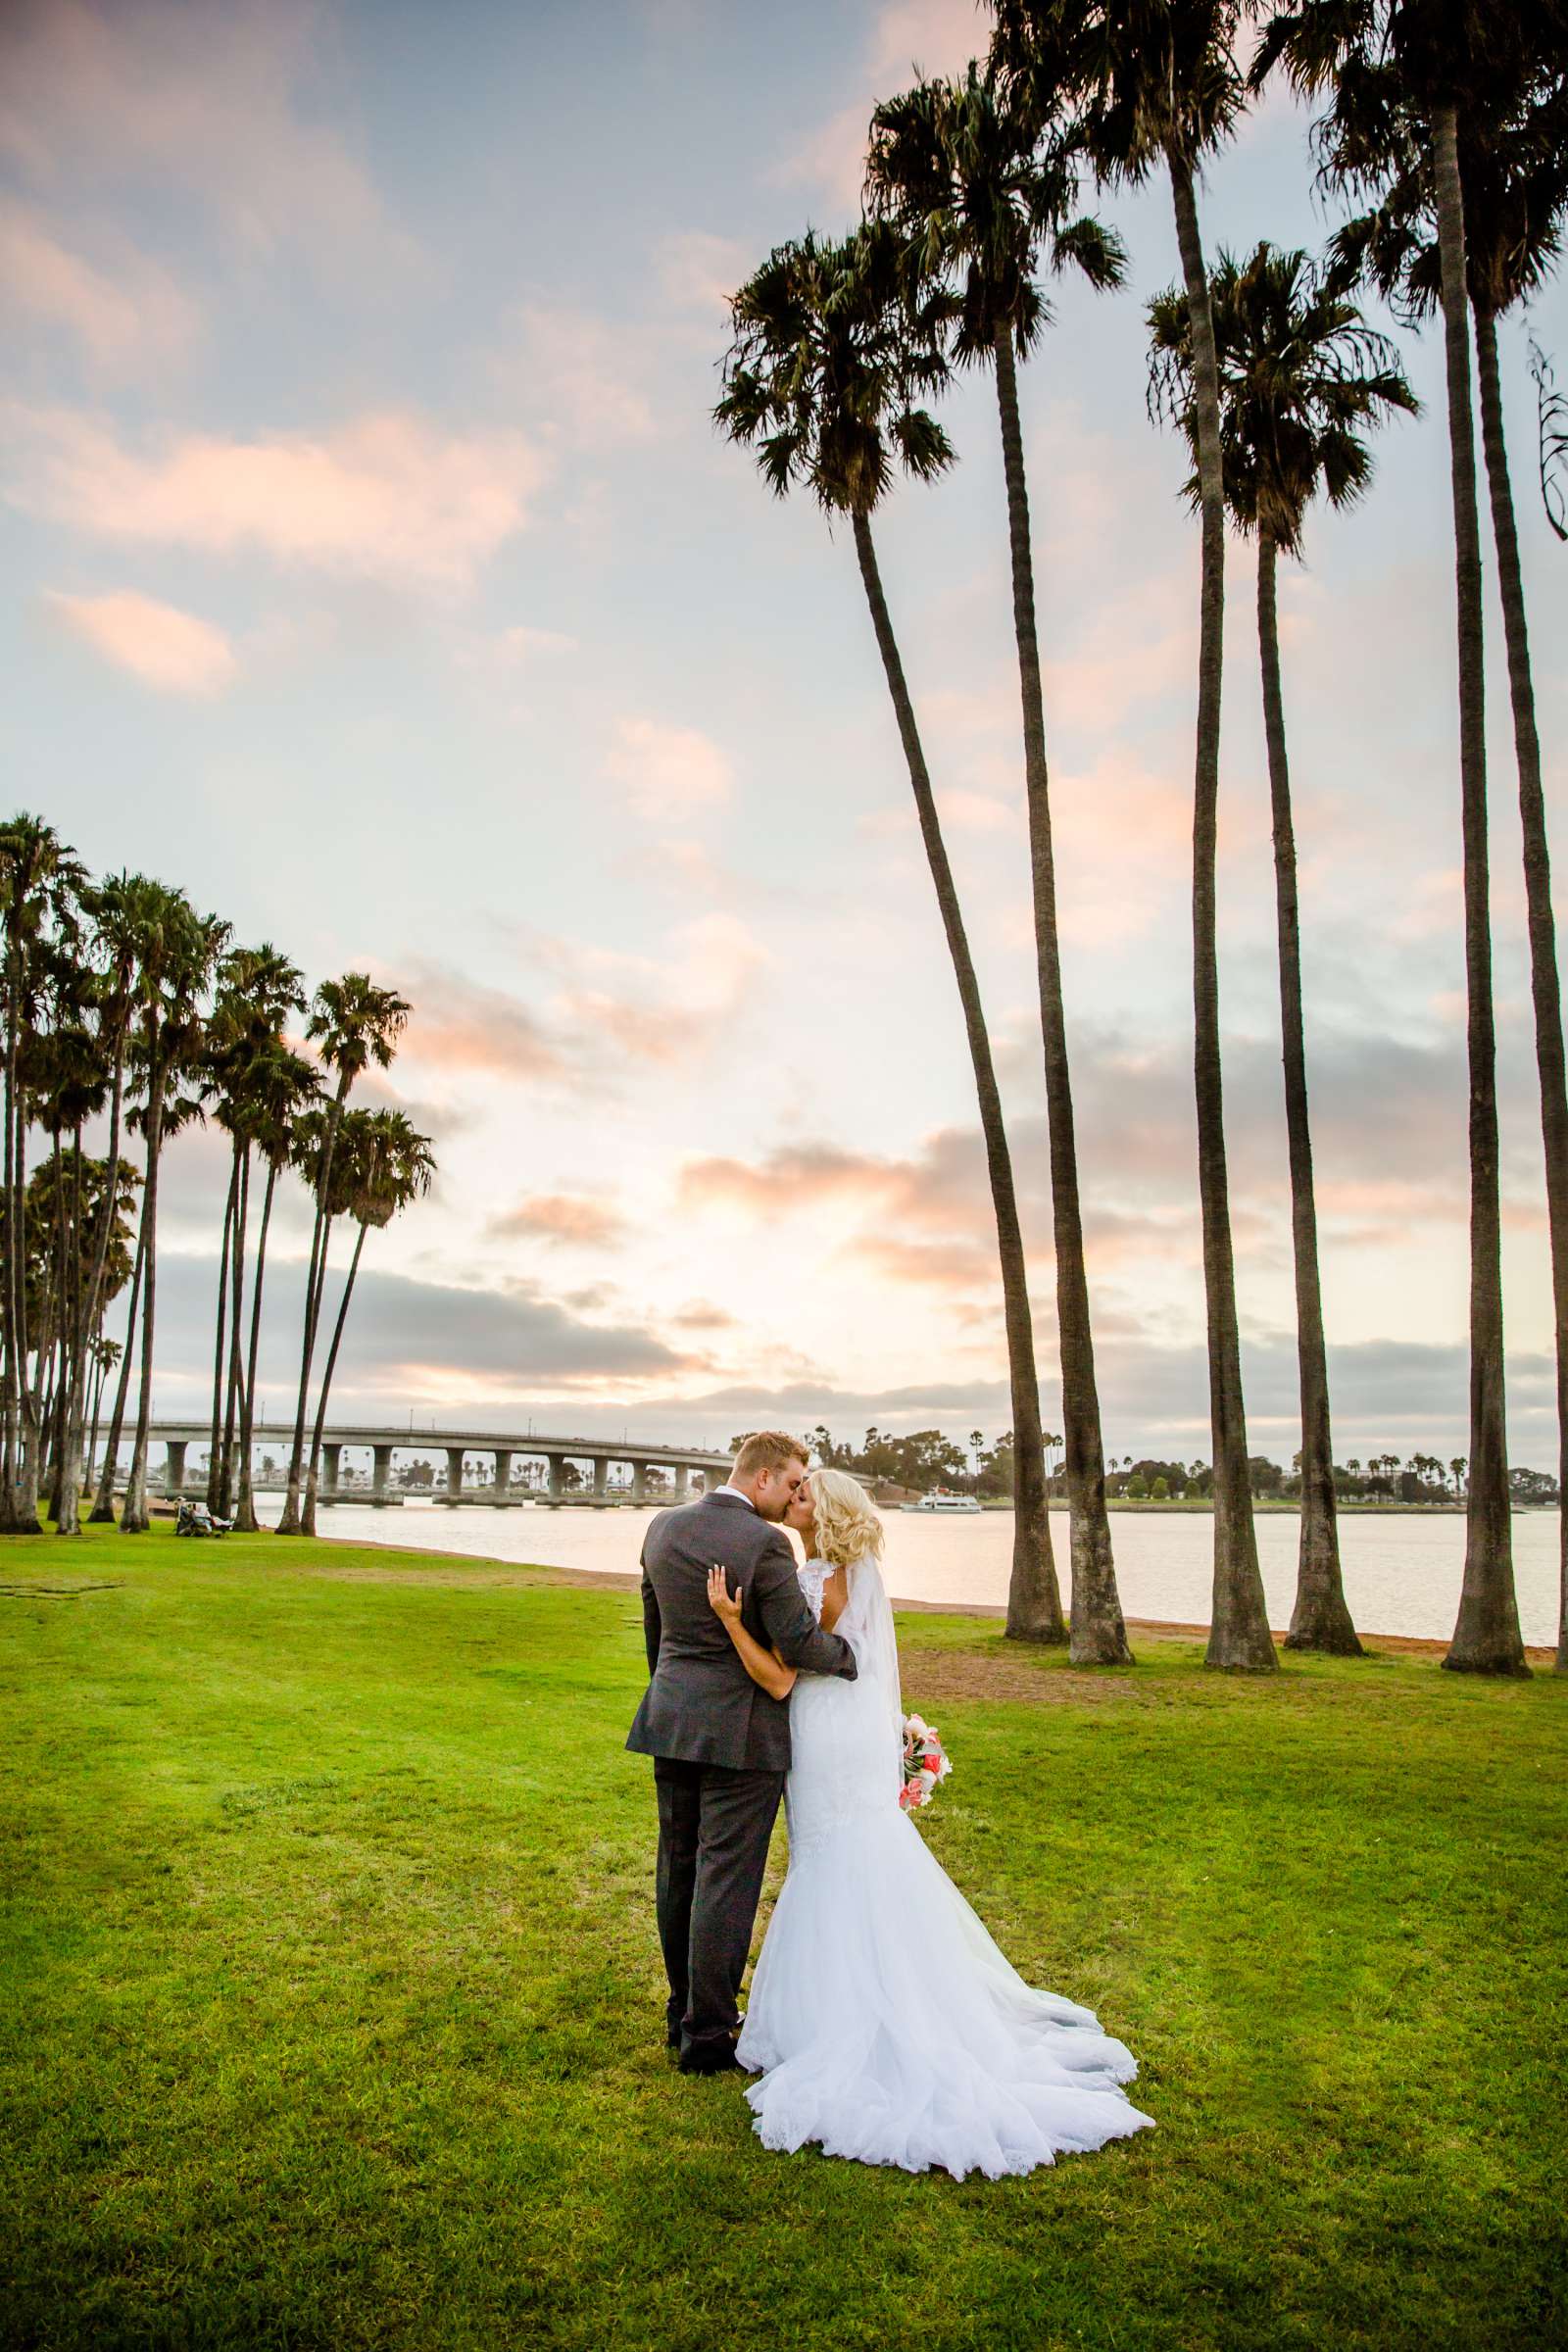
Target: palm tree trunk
pixel 290 1524
pixel 14 1296
pixel 1239 1635
pixel 1544 977
pixel 100 1374
pixel 307 1525
pixel 91 1313
pixel 1321 1619
pixel 326 1385
pixel 214 1463
pixel 225 1490
pixel 53 1357
pixel 1034 1596
pixel 245 1514
pixel 18 1514
pixel 135 1518
pixel 1486 1635
pixel 102 1513
pixel 69 1247
pixel 1099 1631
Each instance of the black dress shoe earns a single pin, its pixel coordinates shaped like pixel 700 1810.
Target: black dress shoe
pixel 712 2059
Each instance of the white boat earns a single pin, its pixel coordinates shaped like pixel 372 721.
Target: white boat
pixel 944 1503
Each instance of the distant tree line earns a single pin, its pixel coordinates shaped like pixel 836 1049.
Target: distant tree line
pixel 926 1459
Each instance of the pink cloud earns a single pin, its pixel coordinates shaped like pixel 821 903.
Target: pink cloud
pixel 459 1024
pixel 571 1220
pixel 662 1010
pixel 165 648
pixel 213 102
pixel 934 36
pixel 123 314
pixel 797 1176
pixel 964 811
pixel 386 497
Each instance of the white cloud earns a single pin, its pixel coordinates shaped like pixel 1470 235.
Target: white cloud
pixel 668 771
pixel 169 649
pixel 386 497
pixel 698 270
pixel 575 372
pixel 521 643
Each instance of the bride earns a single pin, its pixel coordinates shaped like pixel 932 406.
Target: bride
pixel 884 2021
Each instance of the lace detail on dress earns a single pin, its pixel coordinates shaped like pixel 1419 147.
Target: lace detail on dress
pixel 812 1577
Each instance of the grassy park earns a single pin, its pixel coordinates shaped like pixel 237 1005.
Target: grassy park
pixel 331 1998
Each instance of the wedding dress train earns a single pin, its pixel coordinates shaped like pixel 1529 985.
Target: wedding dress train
pixel 887 2024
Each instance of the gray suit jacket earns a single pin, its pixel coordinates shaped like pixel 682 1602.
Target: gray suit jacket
pixel 701 1705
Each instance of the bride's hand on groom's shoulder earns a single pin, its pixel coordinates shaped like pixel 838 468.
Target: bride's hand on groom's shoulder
pixel 720 1599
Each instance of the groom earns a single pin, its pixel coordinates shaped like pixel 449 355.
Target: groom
pixel 720 1744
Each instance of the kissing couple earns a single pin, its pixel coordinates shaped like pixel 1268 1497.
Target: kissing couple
pixel 884 2023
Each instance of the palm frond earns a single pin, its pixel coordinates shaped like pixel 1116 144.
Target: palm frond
pixel 1551 410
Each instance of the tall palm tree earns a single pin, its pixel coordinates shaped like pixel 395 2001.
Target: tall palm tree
pixel 111 906
pixel 1302 378
pixel 389 1165
pixel 102 1513
pixel 1155 85
pixel 68 1084
pixel 1399 75
pixel 40 886
pixel 962 170
pixel 175 964
pixel 1514 175
pixel 258 989
pixel 281 1089
pixel 106 1354
pixel 832 354
pixel 353 1023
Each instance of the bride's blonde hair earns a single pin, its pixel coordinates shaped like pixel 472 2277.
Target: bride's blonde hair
pixel 846 1527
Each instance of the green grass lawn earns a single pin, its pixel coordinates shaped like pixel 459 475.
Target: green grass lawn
pixel 332 2010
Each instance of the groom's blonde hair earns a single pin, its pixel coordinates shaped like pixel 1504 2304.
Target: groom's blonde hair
pixel 767 1449
pixel 846 1527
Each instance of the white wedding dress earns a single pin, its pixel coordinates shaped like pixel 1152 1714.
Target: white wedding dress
pixel 887 2024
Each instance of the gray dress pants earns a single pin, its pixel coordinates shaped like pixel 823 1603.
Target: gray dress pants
pixel 715 1825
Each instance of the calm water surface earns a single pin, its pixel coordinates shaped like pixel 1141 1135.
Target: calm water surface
pixel 1401 1572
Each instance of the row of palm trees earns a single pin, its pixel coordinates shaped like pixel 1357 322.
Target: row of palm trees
pixel 1446 121
pixel 122 1005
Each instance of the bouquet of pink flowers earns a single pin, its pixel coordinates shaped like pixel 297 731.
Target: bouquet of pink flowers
pixel 925 1763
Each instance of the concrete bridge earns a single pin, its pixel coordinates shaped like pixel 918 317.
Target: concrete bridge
pixel 381 1443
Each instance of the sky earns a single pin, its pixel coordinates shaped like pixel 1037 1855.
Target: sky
pixel 371 570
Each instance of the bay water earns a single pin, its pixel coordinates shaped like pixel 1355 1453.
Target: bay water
pixel 1402 1569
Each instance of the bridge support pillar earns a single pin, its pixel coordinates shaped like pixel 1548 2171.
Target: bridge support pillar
pixel 601 1476
pixel 503 1484
pixel 334 1458
pixel 174 1477
pixel 382 1478
pixel 683 1480
pixel 639 1482
pixel 454 1473
pixel 558 1485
